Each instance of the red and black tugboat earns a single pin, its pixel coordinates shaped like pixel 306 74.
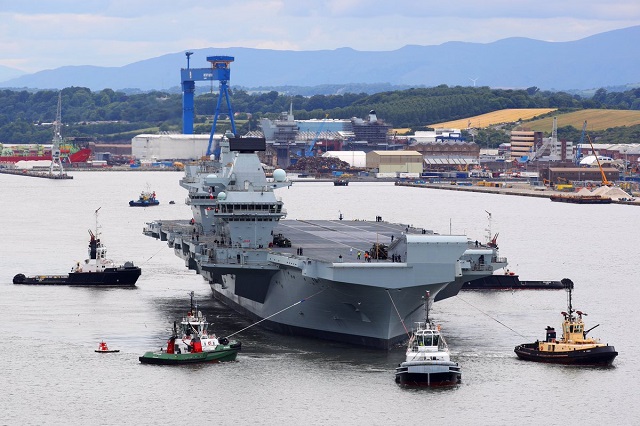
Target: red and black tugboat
pixel 574 347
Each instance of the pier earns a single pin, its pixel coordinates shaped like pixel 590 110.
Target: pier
pixel 506 188
pixel 34 173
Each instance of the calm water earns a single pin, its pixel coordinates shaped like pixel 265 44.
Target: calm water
pixel 51 375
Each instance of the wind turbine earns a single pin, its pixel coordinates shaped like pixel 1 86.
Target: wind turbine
pixel 474 81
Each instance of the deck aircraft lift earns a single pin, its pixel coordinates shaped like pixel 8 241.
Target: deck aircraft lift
pixel 220 70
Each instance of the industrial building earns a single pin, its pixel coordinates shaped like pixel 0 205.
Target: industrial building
pixel 524 143
pixel 395 161
pixel 170 147
pixel 578 174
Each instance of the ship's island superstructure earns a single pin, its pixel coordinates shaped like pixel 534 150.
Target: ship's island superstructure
pixel 310 277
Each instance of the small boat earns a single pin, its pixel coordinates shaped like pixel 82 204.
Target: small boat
pixel 104 349
pixel 193 343
pixel 146 199
pixel 574 347
pixel 340 182
pixel 428 362
pixel 96 271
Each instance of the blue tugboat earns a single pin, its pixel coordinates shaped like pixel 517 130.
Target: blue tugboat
pixel 146 199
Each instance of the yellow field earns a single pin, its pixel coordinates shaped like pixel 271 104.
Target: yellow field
pixel 495 117
pixel 597 119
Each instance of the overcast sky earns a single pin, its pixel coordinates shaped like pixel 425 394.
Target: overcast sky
pixel 46 34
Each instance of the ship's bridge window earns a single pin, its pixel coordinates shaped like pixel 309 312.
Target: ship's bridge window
pixel 426 340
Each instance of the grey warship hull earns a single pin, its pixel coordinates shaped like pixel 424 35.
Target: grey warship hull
pixel 319 288
pixel 316 278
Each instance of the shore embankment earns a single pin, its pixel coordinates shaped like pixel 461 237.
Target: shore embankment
pixel 503 188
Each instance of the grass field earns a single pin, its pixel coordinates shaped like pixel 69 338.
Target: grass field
pixel 495 117
pixel 597 119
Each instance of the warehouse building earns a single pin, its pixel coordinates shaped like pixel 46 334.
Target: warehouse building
pixel 394 161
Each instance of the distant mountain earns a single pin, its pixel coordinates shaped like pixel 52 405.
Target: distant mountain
pixel 602 60
pixel 6 73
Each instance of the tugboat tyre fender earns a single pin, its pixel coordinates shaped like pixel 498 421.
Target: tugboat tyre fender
pixel 19 278
pixel 223 341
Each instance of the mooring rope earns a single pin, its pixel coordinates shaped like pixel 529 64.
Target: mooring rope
pixel 282 310
pixel 501 323
pixel 399 316
pixel 152 256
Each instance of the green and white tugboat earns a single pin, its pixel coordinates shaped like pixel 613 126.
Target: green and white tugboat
pixel 193 343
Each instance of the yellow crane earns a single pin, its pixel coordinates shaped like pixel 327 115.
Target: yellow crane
pixel 605 181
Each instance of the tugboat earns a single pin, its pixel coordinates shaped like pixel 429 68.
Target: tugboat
pixel 104 349
pixel 193 343
pixel 146 199
pixel 509 281
pixel 95 271
pixel 427 359
pixel 574 347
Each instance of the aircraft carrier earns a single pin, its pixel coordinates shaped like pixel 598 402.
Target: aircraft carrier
pixel 304 277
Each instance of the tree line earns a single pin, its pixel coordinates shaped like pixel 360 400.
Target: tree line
pixel 113 116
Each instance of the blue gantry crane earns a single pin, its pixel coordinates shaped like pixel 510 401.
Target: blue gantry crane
pixel 220 70
pixel 309 151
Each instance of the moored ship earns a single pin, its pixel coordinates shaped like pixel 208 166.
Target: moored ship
pixel 581 199
pixel 96 271
pixel 69 153
pixel 338 294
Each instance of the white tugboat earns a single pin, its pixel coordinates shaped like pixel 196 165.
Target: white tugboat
pixel 428 362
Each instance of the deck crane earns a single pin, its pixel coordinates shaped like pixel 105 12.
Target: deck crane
pixel 578 149
pixel 309 151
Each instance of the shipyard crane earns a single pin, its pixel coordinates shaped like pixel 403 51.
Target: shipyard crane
pixel 579 147
pixel 309 150
pixel 57 140
pixel 546 144
pixel 220 70
pixel 605 181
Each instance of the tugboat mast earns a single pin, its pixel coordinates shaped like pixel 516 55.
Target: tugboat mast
pixel 568 285
pixel 427 301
